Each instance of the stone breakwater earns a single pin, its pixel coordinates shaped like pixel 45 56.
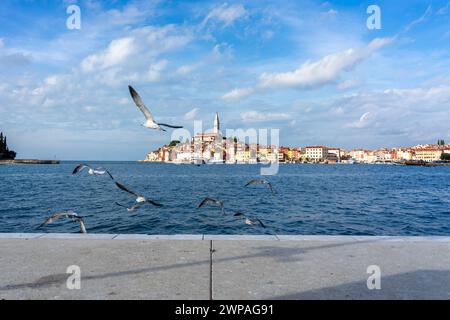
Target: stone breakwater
pixel 29 161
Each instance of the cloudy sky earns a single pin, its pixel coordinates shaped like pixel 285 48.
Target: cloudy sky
pixel 309 68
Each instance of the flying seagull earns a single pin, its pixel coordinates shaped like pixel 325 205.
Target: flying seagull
pixel 150 121
pixel 91 171
pixel 130 209
pixel 70 215
pixel 261 181
pixel 212 201
pixel 249 221
pixel 139 199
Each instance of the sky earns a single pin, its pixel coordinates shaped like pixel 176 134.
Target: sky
pixel 312 69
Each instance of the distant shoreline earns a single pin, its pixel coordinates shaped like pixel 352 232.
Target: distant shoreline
pixel 29 161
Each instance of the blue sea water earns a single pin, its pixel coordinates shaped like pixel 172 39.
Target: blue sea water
pixel 311 199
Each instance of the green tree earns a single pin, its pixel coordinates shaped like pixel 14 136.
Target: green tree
pixel 173 143
pixel 445 156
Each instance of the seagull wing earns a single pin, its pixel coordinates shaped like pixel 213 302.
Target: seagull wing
pixel 58 215
pixel 271 188
pixel 260 222
pixel 79 168
pixel 206 201
pixel 254 181
pixel 170 126
pixel 120 205
pixel 156 204
pixel 102 170
pixel 122 187
pixel 82 225
pixel 140 104
pixel 222 207
pixel 110 175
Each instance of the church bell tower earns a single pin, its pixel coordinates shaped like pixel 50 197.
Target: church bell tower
pixel 216 124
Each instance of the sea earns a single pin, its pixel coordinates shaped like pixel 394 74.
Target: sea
pixel 382 200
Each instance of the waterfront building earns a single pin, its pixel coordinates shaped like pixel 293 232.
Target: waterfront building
pixel 428 154
pixel 405 154
pixel 152 156
pixel 359 155
pixel 316 153
pixel 334 154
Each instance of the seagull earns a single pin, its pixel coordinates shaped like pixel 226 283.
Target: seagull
pixel 212 201
pixel 150 121
pixel 91 171
pixel 70 214
pixel 139 199
pixel 249 221
pixel 261 181
pixel 132 208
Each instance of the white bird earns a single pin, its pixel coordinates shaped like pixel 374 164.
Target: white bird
pixel 92 171
pixel 139 199
pixel 150 122
pixel 261 181
pixel 249 221
pixel 70 215
pixel 130 209
pixel 212 201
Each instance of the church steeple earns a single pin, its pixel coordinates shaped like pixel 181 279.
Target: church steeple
pixel 216 124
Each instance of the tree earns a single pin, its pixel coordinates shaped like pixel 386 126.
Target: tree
pixel 441 143
pixel 173 143
pixel 445 156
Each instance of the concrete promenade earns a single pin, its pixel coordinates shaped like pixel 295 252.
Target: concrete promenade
pixel 33 266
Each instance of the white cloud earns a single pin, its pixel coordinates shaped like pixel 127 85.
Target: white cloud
pixel 264 116
pixel 347 84
pixel 322 71
pixel 186 69
pixel 423 18
pixel 364 121
pixel 191 114
pixel 331 13
pixel 116 52
pixel 237 94
pixel 268 34
pixel 443 10
pixel 312 74
pixel 142 45
pixel 226 14
pixel 154 71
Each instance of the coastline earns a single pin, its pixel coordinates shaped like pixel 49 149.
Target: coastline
pixel 29 161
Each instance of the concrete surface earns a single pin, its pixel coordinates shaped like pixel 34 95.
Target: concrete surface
pixel 33 266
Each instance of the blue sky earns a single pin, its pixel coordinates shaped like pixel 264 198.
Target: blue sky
pixel 309 68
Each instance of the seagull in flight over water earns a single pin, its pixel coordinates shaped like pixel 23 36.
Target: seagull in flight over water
pixel 70 215
pixel 139 199
pixel 130 209
pixel 211 201
pixel 249 221
pixel 92 171
pixel 150 121
pixel 261 181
